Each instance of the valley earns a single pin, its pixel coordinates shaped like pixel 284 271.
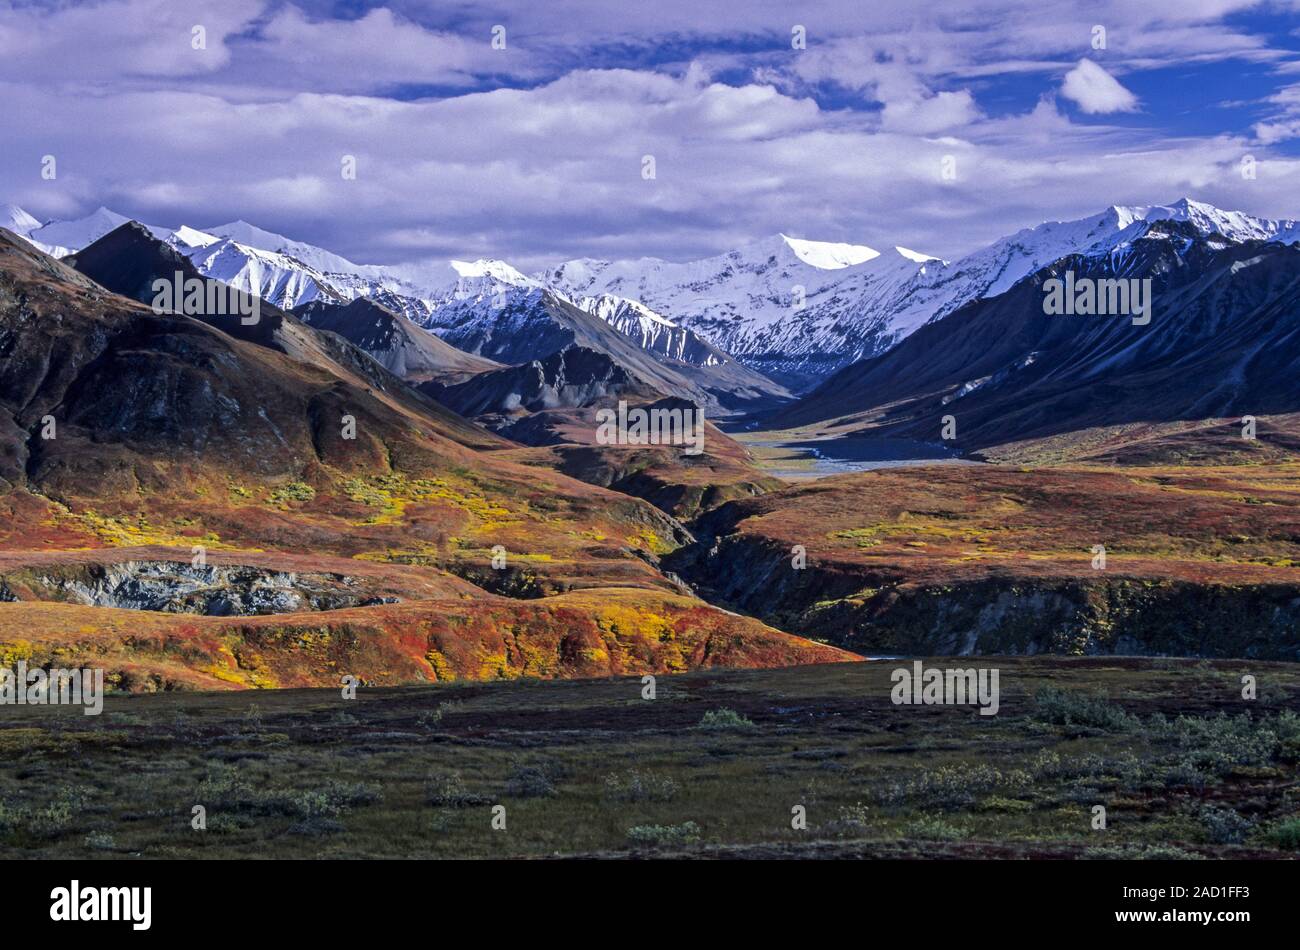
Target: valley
pixel 802 762
pixel 470 491
pixel 997 559
pixel 585 433
pixel 794 454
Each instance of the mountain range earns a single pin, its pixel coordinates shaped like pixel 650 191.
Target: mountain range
pixel 326 489
pixel 1221 343
pixel 427 418
pixel 802 310
pixel 797 310
pixel 786 326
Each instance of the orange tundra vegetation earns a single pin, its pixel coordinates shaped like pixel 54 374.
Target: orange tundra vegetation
pixel 588 633
pixel 177 435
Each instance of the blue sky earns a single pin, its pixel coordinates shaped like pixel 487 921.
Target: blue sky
pixel 534 153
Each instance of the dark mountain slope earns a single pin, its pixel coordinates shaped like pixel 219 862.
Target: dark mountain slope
pixel 133 393
pixel 129 259
pixel 400 346
pixel 167 429
pixel 570 377
pixel 1224 341
pixel 534 324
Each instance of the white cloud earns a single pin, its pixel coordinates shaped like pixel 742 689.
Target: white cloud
pixel 535 175
pixel 551 168
pixel 374 50
pixel 1096 91
pixel 1284 124
pixel 931 114
pixel 119 40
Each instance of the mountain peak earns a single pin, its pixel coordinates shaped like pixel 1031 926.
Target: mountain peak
pixel 490 268
pixel 828 255
pixel 65 236
pixel 1208 219
pixel 250 234
pixel 914 256
pixel 17 220
pixel 193 237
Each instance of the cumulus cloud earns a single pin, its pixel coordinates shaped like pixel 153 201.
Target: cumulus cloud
pixel 1284 122
pixel 1096 91
pixel 539 157
pixel 119 40
pixel 381 48
pixel 930 114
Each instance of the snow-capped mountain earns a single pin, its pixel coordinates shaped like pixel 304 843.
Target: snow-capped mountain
pixel 459 300
pixel 491 309
pixel 652 331
pixel 310 255
pixel 999 266
pixel 1207 219
pixel 274 277
pixel 79 232
pixel 17 220
pixel 799 310
pixel 289 273
pixel 1220 341
pixel 59 238
pixel 779 305
pixel 795 310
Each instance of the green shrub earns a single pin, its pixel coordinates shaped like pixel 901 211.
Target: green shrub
pixel 225 789
pixel 637 786
pixel 716 719
pixel 951 788
pixel 99 841
pixel 853 820
pixel 1217 744
pixel 686 833
pixel 1286 834
pixel 49 820
pixel 1007 805
pixel 1223 825
pixel 531 781
pixel 448 790
pixel 1065 708
pixel 294 491
pixel 929 828
pixel 1186 775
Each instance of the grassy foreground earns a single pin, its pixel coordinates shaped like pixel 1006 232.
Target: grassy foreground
pixel 714 765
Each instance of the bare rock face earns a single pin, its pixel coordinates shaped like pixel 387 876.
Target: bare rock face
pixel 570 377
pixel 213 590
pixel 394 341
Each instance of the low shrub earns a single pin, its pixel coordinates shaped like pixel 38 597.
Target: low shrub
pixel 1286 834
pixel 638 786
pixel 448 790
pixel 687 832
pixel 1067 708
pixel 718 719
